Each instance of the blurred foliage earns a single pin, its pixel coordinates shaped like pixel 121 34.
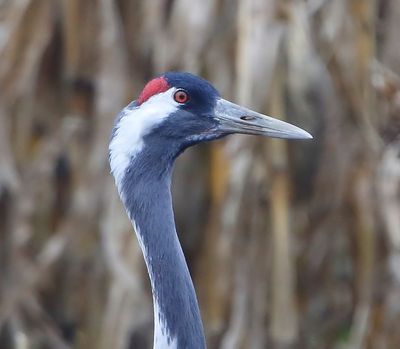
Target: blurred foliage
pixel 290 244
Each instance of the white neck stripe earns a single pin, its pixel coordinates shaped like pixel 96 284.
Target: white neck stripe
pixel 132 126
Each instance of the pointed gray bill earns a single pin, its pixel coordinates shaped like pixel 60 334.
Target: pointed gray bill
pixel 236 119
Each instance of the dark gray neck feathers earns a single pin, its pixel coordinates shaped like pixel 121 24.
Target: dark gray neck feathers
pixel 147 198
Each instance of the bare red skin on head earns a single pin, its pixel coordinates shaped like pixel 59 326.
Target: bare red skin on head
pixel 152 88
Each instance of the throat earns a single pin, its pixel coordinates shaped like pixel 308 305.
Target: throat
pixel 147 199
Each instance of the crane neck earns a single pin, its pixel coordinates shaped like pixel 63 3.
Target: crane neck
pixel 145 192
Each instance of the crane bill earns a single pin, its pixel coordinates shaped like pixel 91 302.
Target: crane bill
pixel 234 118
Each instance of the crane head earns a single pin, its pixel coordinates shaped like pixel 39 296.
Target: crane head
pixel 173 112
pixel 176 110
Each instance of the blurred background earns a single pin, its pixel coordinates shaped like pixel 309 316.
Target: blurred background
pixel 290 244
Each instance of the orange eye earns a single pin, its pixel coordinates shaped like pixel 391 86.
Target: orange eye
pixel 181 96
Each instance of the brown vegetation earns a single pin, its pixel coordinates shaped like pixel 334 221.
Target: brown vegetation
pixel 290 244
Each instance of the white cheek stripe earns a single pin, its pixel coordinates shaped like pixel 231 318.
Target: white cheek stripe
pixel 133 125
pixel 126 143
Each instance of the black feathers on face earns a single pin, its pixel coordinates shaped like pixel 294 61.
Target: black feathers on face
pixel 202 95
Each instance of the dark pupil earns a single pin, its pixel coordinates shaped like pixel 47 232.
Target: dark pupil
pixel 181 96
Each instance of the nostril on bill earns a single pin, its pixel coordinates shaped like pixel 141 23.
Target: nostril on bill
pixel 247 118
